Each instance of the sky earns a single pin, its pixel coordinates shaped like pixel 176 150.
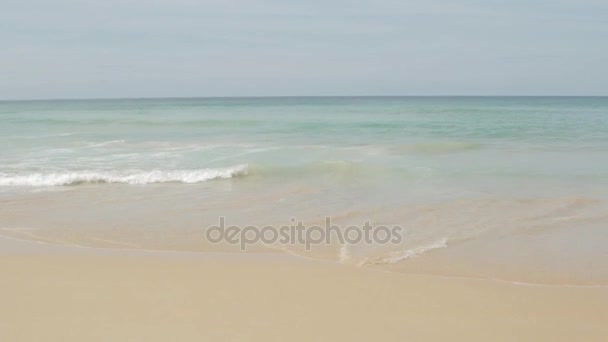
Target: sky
pixel 188 48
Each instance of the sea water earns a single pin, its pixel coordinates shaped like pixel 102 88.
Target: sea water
pixel 502 187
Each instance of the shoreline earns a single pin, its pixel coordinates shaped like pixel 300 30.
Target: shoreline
pixel 61 293
pixel 23 246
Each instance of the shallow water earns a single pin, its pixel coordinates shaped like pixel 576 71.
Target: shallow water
pixel 512 188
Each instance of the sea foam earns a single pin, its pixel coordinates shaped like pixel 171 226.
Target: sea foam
pixel 125 177
pixel 397 256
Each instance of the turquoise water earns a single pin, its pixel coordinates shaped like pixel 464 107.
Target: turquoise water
pixel 454 169
pixel 549 139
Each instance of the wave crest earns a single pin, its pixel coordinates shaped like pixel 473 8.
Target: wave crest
pixel 138 177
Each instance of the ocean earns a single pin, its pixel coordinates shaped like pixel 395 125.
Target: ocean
pixel 509 188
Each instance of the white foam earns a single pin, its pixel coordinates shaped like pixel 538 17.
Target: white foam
pixel 344 255
pixel 126 177
pixel 397 256
pixel 105 143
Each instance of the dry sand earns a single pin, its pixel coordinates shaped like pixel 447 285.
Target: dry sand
pixel 68 294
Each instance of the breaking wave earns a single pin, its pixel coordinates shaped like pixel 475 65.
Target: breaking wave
pixel 131 177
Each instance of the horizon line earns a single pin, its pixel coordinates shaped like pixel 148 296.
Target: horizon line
pixel 274 96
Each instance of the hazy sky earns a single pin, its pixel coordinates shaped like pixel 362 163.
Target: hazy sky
pixel 128 48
